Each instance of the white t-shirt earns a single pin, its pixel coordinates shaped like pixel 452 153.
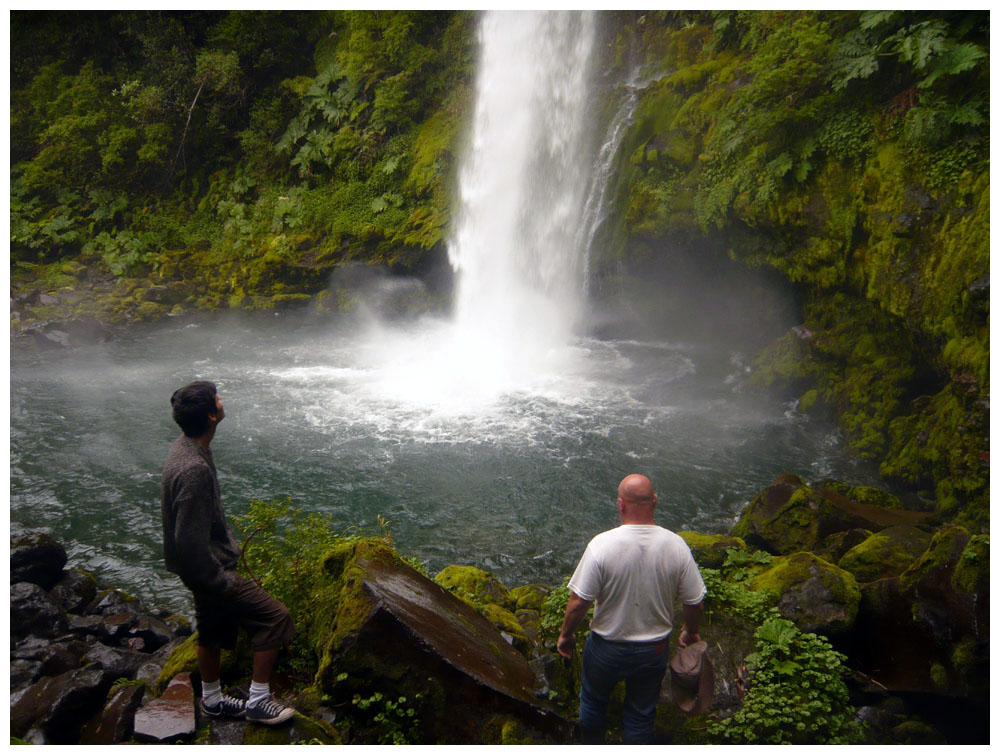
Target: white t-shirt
pixel 635 573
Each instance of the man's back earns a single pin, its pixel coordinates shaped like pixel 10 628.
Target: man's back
pixel 635 573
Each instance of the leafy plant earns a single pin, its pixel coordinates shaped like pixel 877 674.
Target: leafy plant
pixel 796 694
pixel 394 721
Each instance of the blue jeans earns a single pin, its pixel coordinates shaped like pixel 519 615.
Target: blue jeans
pixel 605 663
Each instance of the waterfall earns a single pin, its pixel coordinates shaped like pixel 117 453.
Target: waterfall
pixel 523 183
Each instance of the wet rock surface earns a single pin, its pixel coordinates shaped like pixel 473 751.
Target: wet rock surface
pixel 171 716
pixel 70 642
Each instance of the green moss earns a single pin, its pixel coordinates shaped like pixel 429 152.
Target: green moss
pixel 709 551
pixel 972 573
pixel 529 597
pixel 790 579
pixel 475 586
pixel 940 559
pixel 887 553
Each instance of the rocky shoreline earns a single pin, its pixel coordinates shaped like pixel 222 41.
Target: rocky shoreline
pixel 903 597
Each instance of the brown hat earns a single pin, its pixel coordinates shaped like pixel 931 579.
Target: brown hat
pixel 692 678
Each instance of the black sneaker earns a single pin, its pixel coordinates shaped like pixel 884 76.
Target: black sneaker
pixel 227 707
pixel 269 712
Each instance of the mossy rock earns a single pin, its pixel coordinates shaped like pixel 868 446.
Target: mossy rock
pixel 301 730
pixel 790 516
pixel 709 551
pixel 917 733
pixel 813 593
pixel 874 497
pixel 529 597
pixel 475 586
pixel 972 572
pixel 508 624
pixel 887 553
pixel 939 560
pixel 834 547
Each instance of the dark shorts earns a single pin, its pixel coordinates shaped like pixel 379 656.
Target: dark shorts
pixel 219 617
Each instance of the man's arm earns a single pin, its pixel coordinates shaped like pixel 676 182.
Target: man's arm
pixel 192 528
pixel 576 610
pixel 692 618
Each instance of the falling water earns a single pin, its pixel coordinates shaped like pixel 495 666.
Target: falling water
pixel 522 188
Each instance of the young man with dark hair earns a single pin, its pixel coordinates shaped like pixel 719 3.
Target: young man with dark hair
pixel 200 548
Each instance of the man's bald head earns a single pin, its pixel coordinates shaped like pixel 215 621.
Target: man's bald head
pixel 636 499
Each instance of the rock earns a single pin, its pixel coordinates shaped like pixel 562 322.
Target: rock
pixel 117 626
pixel 61 657
pixel 834 547
pixel 709 551
pixel 813 593
pixel 32 611
pixel 59 705
pixel 120 662
pixel 75 590
pixel 115 722
pixel 112 602
pixel 170 717
pixel 37 558
pixel 887 553
pixel 300 729
pixel 178 625
pixel 789 516
pixel 529 597
pixel 78 331
pixel 153 633
pixel 23 672
pixel 917 733
pixel 476 586
pixel 85 625
pixel 445 653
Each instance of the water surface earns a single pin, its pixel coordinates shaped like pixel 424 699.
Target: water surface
pixel 511 475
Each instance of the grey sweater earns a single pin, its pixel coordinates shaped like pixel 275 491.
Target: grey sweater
pixel 198 545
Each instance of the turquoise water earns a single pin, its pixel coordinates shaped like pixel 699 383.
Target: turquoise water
pixel 358 420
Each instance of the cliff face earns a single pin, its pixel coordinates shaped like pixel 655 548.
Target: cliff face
pixel 849 152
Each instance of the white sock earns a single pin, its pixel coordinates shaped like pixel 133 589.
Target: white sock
pixel 211 692
pixel 258 692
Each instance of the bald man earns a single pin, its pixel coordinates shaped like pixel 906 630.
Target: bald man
pixel 632 575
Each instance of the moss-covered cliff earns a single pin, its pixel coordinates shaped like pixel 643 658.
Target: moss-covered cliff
pixel 849 151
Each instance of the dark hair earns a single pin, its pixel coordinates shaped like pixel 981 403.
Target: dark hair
pixel 192 404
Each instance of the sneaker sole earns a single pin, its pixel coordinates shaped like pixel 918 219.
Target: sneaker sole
pixel 279 719
pixel 222 714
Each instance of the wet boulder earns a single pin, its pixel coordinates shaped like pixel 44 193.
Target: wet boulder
pixel 115 723
pixel 33 612
pixel 709 551
pixel 887 553
pixel 36 557
pixel 445 656
pixel 121 663
pixel 75 590
pixel 57 706
pixel 813 593
pixel 170 717
pixel 113 602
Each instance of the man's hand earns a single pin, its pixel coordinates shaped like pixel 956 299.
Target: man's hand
pixel 688 638
pixel 692 618
pixel 576 611
pixel 566 645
